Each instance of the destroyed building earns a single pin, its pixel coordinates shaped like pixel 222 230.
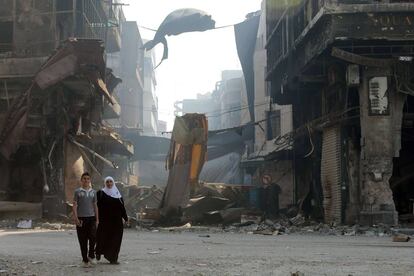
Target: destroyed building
pixel 346 68
pixel 150 99
pixel 54 89
pixel 128 64
pixel 269 162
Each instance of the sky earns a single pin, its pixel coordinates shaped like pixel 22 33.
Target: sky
pixel 195 59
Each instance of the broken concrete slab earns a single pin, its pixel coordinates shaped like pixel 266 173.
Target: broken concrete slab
pixel 231 215
pixel 197 207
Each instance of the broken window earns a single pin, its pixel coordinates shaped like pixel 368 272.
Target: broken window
pixel 273 128
pixel 6 37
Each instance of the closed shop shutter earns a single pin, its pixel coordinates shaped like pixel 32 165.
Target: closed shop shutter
pixel 331 174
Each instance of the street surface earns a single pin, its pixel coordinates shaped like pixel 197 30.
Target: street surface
pixel 186 253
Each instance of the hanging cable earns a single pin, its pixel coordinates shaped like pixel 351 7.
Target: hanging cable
pixel 310 140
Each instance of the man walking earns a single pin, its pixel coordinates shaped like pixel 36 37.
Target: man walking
pixel 86 217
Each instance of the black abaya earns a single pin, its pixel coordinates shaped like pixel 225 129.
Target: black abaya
pixel 110 228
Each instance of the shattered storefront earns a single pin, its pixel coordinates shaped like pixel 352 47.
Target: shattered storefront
pixel 50 132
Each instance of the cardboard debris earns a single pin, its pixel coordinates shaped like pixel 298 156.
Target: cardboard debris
pixel 25 224
pixel 401 238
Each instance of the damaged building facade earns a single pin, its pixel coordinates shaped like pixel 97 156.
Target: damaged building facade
pixel 346 69
pixel 138 121
pixel 54 89
pixel 268 166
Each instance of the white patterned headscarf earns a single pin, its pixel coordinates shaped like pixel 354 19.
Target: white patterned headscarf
pixel 112 192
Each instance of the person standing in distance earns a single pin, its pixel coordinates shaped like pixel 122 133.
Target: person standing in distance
pixel 86 217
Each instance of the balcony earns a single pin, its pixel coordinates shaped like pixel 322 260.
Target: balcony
pixel 308 30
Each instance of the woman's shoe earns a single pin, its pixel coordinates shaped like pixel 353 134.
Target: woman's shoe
pixel 114 263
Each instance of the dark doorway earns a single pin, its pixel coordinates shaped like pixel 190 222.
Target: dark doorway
pixel 402 182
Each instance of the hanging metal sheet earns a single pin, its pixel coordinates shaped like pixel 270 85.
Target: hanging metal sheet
pixel 331 174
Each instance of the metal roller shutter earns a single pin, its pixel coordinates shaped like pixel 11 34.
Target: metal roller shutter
pixel 331 174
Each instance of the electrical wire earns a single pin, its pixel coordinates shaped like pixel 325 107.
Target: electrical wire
pixel 215 28
pixel 235 109
pixel 310 139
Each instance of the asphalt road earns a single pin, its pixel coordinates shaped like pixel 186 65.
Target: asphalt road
pixel 148 253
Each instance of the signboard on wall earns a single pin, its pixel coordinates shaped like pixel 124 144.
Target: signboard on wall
pixel 378 96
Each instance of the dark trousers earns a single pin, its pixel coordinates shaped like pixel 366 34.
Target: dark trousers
pixel 87 232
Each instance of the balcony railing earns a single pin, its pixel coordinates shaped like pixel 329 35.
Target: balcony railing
pixel 53 22
pixel 288 20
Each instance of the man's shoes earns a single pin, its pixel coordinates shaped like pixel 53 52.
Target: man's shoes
pixel 92 261
pixel 98 257
pixel 85 264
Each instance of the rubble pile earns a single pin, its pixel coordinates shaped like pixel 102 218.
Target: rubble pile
pixel 215 204
pixel 137 199
pixel 221 208
pixel 36 224
pixel 299 225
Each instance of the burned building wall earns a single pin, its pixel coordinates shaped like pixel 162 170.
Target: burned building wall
pixel 33 27
pixel 381 122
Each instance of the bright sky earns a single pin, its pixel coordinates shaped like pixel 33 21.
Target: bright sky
pixel 195 59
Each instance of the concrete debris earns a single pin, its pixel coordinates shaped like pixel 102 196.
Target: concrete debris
pixel 285 226
pixel 56 226
pixel 267 232
pixel 197 207
pixel 148 216
pixel 231 215
pixel 184 227
pixel 141 198
pixel 35 224
pixel 401 238
pixel 251 218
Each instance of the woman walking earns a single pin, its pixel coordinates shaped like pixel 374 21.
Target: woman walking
pixel 110 229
